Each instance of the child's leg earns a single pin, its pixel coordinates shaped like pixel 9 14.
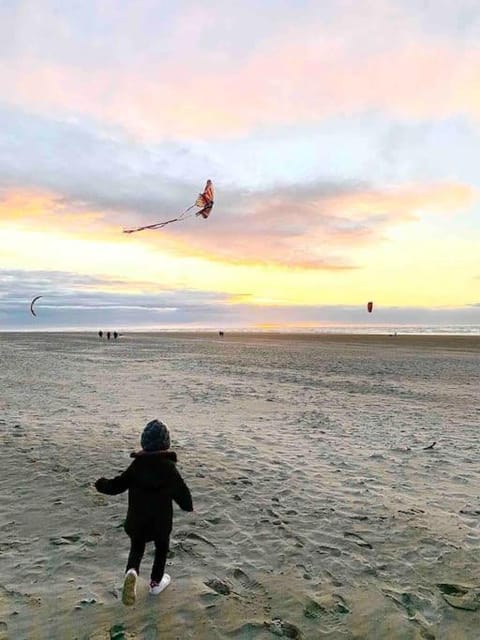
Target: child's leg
pixel 137 549
pixel 161 550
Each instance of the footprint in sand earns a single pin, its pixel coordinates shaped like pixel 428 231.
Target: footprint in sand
pixel 461 597
pixel 66 539
pixel 251 589
pixel 219 586
pixel 272 513
pixel 283 629
pixel 307 571
pixel 248 630
pixel 246 582
pixel 328 605
pixel 196 536
pixel 412 604
pixel 117 632
pixel 357 539
pixel 330 551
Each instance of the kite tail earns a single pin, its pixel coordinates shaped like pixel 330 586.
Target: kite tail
pixel 160 225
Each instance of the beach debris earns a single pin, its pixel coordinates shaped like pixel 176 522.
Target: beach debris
pixel 219 586
pixel 430 446
pixel 460 597
pixel 283 629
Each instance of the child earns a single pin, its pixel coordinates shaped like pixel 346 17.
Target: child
pixel 152 481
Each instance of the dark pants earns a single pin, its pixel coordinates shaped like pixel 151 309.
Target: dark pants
pixel 137 549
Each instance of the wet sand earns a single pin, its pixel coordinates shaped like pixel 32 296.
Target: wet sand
pixel 319 511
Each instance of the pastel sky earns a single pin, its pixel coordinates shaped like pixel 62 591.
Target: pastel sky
pixel 342 137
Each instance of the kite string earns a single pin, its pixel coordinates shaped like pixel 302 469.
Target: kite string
pixel 181 217
pixel 183 214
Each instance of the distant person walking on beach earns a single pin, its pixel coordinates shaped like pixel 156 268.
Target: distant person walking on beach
pixel 153 482
pixel 100 334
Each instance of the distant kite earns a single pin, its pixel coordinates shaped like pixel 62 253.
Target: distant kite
pixel 370 307
pixel 32 303
pixel 204 202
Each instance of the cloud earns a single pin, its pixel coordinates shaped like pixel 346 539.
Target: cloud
pixel 87 182
pixel 78 302
pixel 88 165
pixel 191 72
pixel 73 300
pixel 318 225
pixel 314 226
pixel 273 88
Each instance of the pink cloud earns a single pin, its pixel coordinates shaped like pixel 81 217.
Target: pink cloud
pixel 300 78
pixel 317 228
pixel 313 229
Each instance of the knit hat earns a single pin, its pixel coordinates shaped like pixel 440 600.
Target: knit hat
pixel 155 436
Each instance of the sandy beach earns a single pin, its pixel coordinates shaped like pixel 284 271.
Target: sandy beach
pixel 320 513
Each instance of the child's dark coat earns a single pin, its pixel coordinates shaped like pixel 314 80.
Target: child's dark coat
pixel 153 482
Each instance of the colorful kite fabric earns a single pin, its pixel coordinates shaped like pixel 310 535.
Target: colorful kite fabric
pixel 204 200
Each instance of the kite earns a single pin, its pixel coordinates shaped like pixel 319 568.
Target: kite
pixel 204 202
pixel 32 303
pixel 370 307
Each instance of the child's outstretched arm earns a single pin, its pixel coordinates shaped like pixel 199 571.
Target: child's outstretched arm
pixel 181 493
pixel 116 485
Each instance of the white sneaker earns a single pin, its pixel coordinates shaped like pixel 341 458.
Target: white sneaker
pixel 158 587
pixel 130 587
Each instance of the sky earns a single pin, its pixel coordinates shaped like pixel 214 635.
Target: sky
pixel 342 139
